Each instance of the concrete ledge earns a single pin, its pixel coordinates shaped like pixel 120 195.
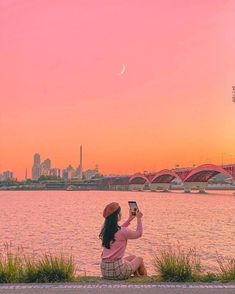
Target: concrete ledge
pixel 115 284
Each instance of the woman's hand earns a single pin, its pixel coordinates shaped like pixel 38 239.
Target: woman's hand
pixel 139 214
pixel 131 216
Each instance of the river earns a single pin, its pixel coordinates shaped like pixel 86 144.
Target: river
pixel 70 222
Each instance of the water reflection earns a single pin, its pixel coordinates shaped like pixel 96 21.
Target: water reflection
pixel 64 221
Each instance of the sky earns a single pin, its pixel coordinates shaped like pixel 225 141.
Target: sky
pixel 60 83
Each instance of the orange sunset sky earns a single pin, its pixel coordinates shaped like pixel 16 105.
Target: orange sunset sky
pixel 60 85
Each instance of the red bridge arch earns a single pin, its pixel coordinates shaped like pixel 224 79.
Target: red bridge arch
pixel 139 179
pixel 164 176
pixel 205 172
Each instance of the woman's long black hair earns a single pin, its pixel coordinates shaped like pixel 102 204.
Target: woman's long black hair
pixel 109 228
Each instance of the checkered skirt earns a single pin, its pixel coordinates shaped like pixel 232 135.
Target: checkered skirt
pixel 115 270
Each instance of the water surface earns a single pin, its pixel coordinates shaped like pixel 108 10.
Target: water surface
pixel 70 221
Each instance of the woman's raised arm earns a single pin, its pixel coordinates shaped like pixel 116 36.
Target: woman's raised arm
pixel 128 221
pixel 130 234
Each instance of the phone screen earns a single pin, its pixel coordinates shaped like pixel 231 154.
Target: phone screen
pixel 133 206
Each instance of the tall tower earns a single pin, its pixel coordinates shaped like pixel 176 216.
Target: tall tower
pixel 79 168
pixel 36 170
pixel 81 159
pixel 37 159
pixel 80 164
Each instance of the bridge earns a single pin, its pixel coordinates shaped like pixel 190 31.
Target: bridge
pixel 191 178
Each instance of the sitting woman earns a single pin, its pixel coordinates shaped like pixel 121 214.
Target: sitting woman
pixel 114 241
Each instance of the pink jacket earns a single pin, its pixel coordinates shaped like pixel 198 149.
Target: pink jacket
pixel 117 248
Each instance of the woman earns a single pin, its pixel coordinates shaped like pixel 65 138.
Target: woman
pixel 114 240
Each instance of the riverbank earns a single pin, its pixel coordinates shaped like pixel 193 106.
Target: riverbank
pixel 175 188
pixel 119 287
pixel 171 264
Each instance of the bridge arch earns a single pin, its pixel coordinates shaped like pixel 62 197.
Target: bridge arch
pixel 164 176
pixel 204 172
pixel 138 179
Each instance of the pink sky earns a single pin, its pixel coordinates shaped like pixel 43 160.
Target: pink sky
pixel 59 83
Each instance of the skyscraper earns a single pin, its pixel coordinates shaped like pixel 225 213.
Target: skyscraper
pixel 47 163
pixel 36 169
pixel 81 159
pixel 46 167
pixel 37 159
pixel 79 169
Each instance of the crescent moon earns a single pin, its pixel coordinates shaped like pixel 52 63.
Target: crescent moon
pixel 123 70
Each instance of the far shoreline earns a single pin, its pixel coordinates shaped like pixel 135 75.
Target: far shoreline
pixel 193 191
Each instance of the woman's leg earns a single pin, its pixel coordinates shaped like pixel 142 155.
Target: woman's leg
pixel 142 269
pixel 129 257
pixel 138 266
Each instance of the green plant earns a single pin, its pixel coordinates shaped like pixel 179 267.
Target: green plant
pixel 206 277
pixel 226 269
pixel 50 268
pixel 173 264
pixel 11 267
pixel 16 267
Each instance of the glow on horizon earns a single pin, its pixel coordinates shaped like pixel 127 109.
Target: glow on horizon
pixel 59 86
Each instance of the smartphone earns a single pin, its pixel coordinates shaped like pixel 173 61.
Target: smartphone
pixel 133 207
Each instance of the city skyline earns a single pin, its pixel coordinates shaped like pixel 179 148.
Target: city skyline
pixel 60 83
pixel 45 168
pixel 222 159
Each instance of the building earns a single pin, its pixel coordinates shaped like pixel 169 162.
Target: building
pixel 6 176
pixel 64 174
pixel 81 159
pixel 79 170
pixel 90 174
pixel 69 173
pixel 46 167
pixel 55 172
pixel 36 169
pixel 47 163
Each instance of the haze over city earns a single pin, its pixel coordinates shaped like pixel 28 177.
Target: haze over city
pixel 142 87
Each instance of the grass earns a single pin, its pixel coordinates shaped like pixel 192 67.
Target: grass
pixel 148 279
pixel 16 267
pixel 11 265
pixel 226 269
pixel 172 264
pixel 49 269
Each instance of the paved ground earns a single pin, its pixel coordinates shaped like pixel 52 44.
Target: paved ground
pixel 117 288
